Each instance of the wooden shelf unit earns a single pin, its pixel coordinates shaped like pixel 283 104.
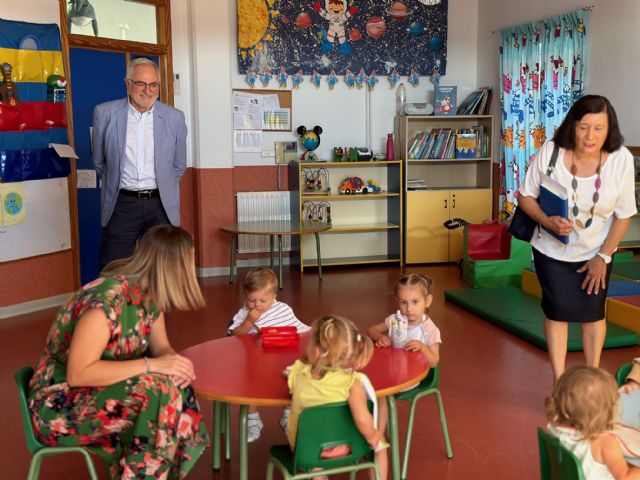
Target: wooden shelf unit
pixel 366 228
pixel 455 188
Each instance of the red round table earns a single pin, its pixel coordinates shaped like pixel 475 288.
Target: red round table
pixel 239 370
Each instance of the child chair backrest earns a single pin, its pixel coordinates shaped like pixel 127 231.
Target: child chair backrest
pixel 323 427
pixel 622 372
pixel 556 461
pixel 23 377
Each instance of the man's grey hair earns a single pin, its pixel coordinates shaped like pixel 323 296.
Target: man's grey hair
pixel 136 62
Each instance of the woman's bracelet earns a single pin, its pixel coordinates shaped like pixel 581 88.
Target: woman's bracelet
pixel 147 365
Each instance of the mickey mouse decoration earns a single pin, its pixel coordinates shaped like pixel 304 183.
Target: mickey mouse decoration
pixel 310 140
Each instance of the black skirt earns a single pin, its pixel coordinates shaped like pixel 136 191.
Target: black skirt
pixel 563 298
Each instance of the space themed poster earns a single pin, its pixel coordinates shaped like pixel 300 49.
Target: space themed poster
pixel 336 35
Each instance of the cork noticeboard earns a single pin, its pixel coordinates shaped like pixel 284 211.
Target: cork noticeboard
pixel 284 98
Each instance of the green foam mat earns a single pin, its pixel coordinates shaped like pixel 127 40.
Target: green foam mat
pixel 627 270
pixel 521 314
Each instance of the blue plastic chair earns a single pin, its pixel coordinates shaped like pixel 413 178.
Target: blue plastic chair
pixel 39 450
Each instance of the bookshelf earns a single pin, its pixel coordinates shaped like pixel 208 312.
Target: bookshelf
pixel 366 228
pixel 437 189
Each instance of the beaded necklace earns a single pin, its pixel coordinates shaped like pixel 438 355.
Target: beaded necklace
pixel 596 196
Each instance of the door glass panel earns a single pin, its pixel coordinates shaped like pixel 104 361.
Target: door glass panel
pixel 118 19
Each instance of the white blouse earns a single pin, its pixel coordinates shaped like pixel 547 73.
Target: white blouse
pixel 617 197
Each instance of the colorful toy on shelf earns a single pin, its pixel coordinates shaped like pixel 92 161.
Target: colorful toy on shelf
pixel 351 185
pixel 316 180
pixel 316 212
pixel 372 187
pixel 56 89
pixel 310 140
pixel 8 89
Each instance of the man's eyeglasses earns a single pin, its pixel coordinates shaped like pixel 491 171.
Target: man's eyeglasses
pixel 143 85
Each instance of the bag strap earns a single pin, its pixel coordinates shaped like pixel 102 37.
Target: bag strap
pixel 554 159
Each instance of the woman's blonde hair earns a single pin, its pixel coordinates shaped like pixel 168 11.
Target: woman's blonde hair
pixel 336 343
pixel 415 280
pixel 586 399
pixel 164 266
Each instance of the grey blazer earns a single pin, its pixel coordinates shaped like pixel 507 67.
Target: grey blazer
pixel 170 153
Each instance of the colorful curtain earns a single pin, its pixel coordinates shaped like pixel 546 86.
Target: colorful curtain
pixel 542 71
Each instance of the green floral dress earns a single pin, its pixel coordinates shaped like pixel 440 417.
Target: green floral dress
pixel 136 425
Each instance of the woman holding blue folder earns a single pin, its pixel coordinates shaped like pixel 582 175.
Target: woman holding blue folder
pixel 598 174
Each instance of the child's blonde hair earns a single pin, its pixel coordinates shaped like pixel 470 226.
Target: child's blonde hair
pixel 415 280
pixel 586 399
pixel 336 343
pixel 259 278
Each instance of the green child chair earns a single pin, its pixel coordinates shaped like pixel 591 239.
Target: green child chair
pixel 319 428
pixel 39 450
pixel 428 386
pixel 556 461
pixel 622 372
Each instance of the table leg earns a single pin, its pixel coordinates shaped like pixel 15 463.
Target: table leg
pixel 232 263
pixel 318 255
pixel 393 438
pixel 216 435
pixel 244 447
pixel 280 258
pixel 227 435
pixel 271 249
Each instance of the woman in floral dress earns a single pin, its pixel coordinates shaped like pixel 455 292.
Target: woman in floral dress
pixel 109 379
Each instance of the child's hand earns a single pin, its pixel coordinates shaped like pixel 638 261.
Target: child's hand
pixel 413 346
pixel 253 315
pixel 629 387
pixel 383 341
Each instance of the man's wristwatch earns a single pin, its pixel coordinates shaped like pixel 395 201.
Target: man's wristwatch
pixel 605 257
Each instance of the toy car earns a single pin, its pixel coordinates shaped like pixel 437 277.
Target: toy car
pixel 351 185
pixel 355 185
pixel 372 187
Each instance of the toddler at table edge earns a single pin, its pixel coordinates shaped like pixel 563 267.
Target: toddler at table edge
pixel 261 309
pixel 327 374
pixel 582 412
pixel 414 295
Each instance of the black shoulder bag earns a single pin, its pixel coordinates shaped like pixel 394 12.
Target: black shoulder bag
pixel 522 225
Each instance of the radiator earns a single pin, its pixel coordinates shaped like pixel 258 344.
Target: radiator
pixel 256 206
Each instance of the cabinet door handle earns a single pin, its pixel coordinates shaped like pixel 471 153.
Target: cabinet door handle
pixel 445 203
pixel 453 202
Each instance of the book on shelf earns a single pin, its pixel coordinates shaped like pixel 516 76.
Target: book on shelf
pixel 416 184
pixel 417 143
pixel 446 100
pixel 445 134
pixel 477 102
pixel 428 146
pixel 466 145
pixel 554 200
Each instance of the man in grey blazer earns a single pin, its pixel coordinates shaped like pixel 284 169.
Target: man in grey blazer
pixel 139 152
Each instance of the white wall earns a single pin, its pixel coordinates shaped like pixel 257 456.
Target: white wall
pixel 342 113
pixel 613 65
pixel 35 11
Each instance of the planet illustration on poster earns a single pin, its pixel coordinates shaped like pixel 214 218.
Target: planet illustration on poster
pixel 399 11
pixel 303 20
pixel 435 44
pixel 416 29
pixel 376 27
pixel 354 35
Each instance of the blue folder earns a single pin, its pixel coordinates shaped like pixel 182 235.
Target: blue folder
pixel 553 204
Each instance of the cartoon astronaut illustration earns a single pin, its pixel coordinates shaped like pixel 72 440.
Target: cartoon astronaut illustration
pixel 337 13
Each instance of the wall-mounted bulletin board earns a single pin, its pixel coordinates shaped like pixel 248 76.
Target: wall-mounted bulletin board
pixel 284 103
